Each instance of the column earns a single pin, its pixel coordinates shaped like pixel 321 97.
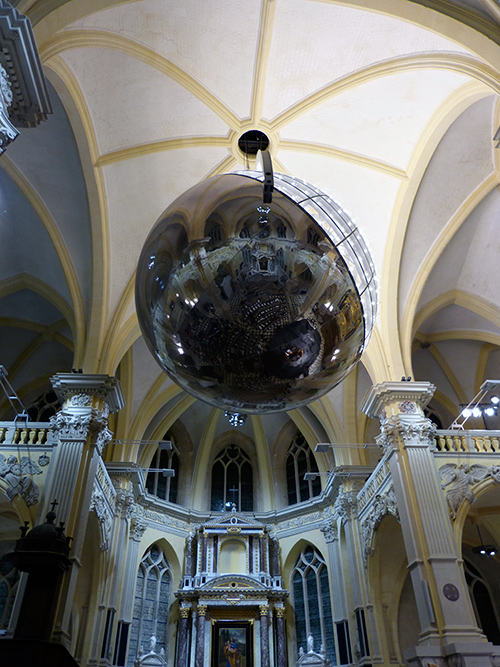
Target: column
pixel 339 603
pixel 264 635
pixel 448 627
pixel 200 636
pixel 280 636
pixel 182 636
pixel 81 428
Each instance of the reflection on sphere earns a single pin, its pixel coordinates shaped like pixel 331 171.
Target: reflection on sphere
pixel 246 306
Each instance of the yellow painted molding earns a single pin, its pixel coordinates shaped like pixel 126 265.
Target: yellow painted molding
pixel 340 154
pixel 462 64
pixel 85 39
pixel 202 460
pixel 410 323
pixel 263 462
pixel 262 60
pixel 481 365
pixel 480 336
pixel 79 323
pixel 448 373
pixel 100 227
pixel 472 302
pixel 161 146
pixel 112 342
pixel 326 414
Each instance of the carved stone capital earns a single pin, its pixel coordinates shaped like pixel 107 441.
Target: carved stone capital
pixel 93 423
pixel 263 610
pixel 202 610
pixel 184 612
pixel 280 612
pixel 406 431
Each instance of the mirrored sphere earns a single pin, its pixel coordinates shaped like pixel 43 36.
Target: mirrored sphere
pixel 255 307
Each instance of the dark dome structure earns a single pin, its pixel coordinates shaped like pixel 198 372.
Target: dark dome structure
pixel 255 307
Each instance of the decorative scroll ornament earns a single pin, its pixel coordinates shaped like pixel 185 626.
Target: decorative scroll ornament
pixel 18 477
pixel 81 400
pixel 345 507
pixel 7 131
pixel 99 505
pixel 382 505
pixel 459 480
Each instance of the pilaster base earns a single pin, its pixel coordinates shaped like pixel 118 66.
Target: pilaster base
pixel 474 654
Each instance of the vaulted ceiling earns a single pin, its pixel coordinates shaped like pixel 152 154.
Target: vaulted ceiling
pixel 389 106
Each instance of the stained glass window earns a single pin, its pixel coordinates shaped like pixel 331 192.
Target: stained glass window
pixel 232 481
pixel 152 600
pixel 312 604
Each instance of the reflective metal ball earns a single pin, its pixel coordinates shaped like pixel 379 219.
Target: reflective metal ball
pixel 251 307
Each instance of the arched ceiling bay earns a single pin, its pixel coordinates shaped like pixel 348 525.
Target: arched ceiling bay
pixel 389 106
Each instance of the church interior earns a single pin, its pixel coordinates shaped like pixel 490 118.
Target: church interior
pixel 355 523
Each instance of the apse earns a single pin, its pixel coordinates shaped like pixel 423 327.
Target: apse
pixel 255 296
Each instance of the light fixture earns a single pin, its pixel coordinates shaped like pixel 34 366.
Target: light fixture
pixel 311 476
pixel 323 447
pixel 235 418
pixel 484 549
pixel 477 408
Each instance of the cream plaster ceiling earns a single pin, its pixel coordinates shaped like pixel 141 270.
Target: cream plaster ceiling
pixel 388 106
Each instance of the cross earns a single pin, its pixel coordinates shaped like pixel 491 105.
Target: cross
pixel 54 503
pixel 234 490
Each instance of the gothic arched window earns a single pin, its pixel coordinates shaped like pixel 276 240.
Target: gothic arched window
pixel 156 482
pixel 300 460
pixel 482 601
pixel 312 604
pixel 152 600
pixel 232 481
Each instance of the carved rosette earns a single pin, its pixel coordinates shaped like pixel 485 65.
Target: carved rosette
pixel 381 505
pixel 345 507
pixel 7 131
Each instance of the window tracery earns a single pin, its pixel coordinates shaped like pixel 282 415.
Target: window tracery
pixel 152 600
pixel 311 601
pixel 300 460
pixel 232 481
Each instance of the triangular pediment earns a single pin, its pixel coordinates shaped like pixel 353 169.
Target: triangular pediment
pixel 232 522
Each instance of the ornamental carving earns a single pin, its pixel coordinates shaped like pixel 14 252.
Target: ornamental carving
pixel 81 400
pixel 280 612
pixel 407 407
pixel 345 507
pixel 395 430
pixel 264 610
pixel 330 531
pixel 124 503
pixel 99 505
pixel 78 427
pixel 137 529
pixel 382 505
pixel 7 131
pixel 457 480
pixel 18 476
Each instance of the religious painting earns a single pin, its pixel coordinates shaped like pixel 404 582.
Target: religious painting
pixel 232 644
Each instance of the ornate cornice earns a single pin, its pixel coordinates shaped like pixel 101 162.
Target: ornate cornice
pixel 389 398
pixel 7 131
pixel 69 385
